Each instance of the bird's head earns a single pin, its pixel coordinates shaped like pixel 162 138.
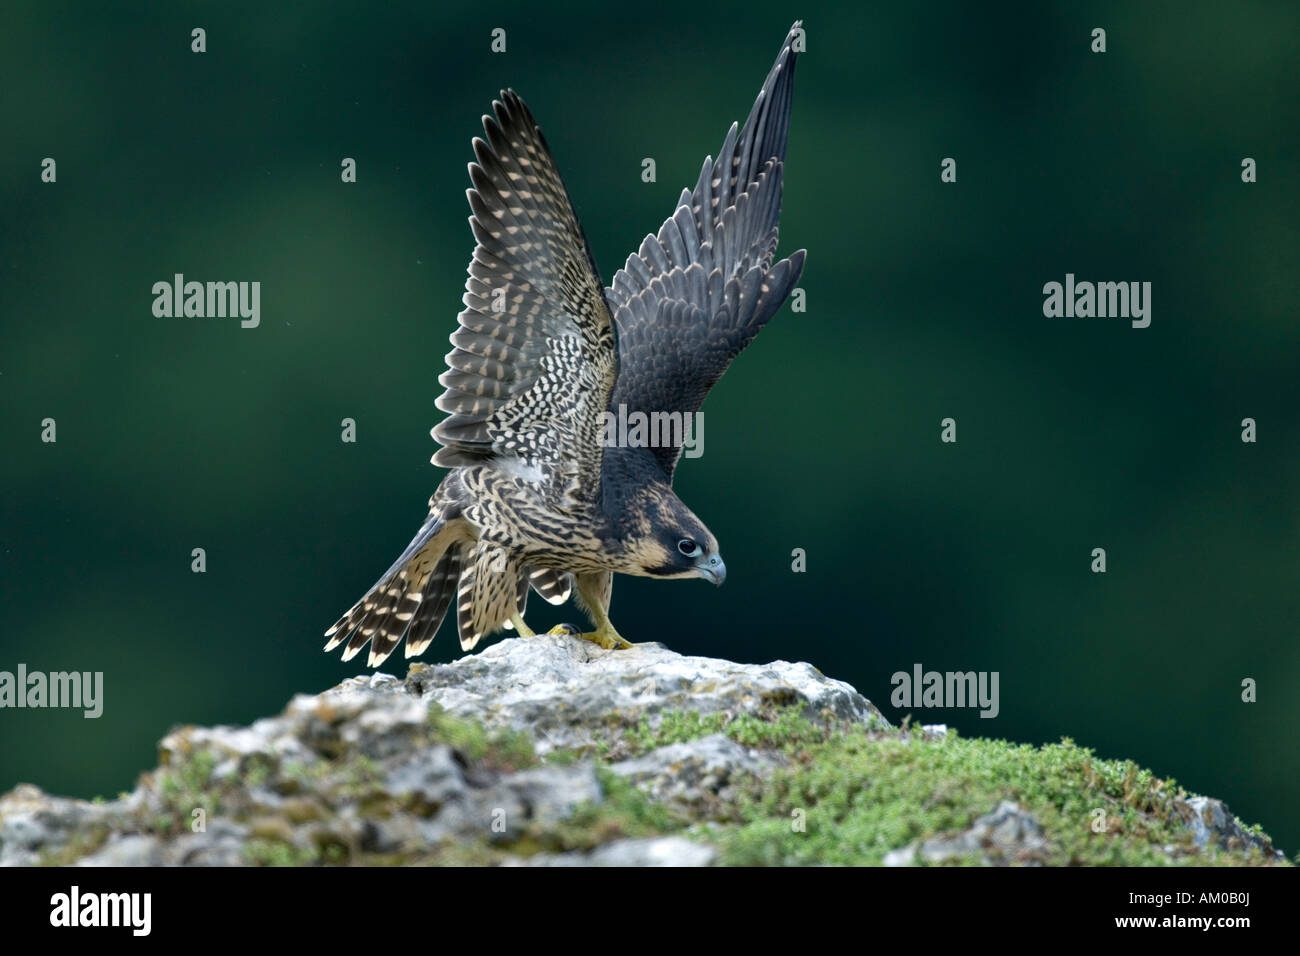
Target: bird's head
pixel 671 542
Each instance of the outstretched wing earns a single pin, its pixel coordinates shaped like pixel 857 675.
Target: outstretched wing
pixel 534 360
pixel 692 297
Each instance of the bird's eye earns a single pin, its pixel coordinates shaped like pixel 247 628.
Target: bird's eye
pixel 689 548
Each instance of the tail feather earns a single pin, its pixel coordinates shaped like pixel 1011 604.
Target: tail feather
pixel 465 629
pixel 438 594
pixel 362 634
pixel 389 609
pixel 401 599
pixel 340 630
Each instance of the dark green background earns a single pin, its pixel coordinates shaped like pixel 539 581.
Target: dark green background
pixel 924 301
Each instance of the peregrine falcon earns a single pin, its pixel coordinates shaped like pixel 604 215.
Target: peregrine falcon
pixel 537 496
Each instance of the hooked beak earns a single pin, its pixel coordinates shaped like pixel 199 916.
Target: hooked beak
pixel 712 569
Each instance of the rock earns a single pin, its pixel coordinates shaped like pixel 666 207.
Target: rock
pixel 551 686
pixel 548 751
pixel 222 844
pixel 358 769
pixel 696 774
pixel 1006 836
pixel 660 851
pixel 132 850
pixel 432 776
pixel 35 826
pixel 1212 822
pixel 550 794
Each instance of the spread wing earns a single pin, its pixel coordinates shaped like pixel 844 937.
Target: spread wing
pixel 534 360
pixel 692 297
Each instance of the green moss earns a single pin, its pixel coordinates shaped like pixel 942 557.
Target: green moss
pixel 184 787
pixel 562 758
pixel 462 852
pixel 354 777
pixel 673 727
pixel 264 852
pixel 784 728
pixel 257 769
pixel 305 773
pixel 841 794
pixel 848 794
pixel 858 795
pixel 501 750
pixel 623 812
pixel 81 844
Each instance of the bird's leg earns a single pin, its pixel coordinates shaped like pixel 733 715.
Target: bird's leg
pixel 593 592
pixel 522 629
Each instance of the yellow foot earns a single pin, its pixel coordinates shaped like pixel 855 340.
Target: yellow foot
pixel 523 629
pixel 605 637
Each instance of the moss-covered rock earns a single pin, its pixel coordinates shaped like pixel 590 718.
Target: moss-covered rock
pixel 548 751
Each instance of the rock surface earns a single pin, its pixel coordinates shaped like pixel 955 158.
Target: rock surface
pixel 542 751
pixel 553 687
pixel 1007 835
pixel 1212 823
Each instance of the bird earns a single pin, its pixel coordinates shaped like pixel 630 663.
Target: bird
pixel 537 496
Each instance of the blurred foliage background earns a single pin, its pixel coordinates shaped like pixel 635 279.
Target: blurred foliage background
pixel 924 301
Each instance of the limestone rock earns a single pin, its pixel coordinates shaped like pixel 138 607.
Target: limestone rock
pixel 548 751
pixel 1005 836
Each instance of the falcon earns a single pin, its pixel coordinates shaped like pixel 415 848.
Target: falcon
pixel 537 497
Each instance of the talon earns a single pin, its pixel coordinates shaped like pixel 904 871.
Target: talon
pixel 606 638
